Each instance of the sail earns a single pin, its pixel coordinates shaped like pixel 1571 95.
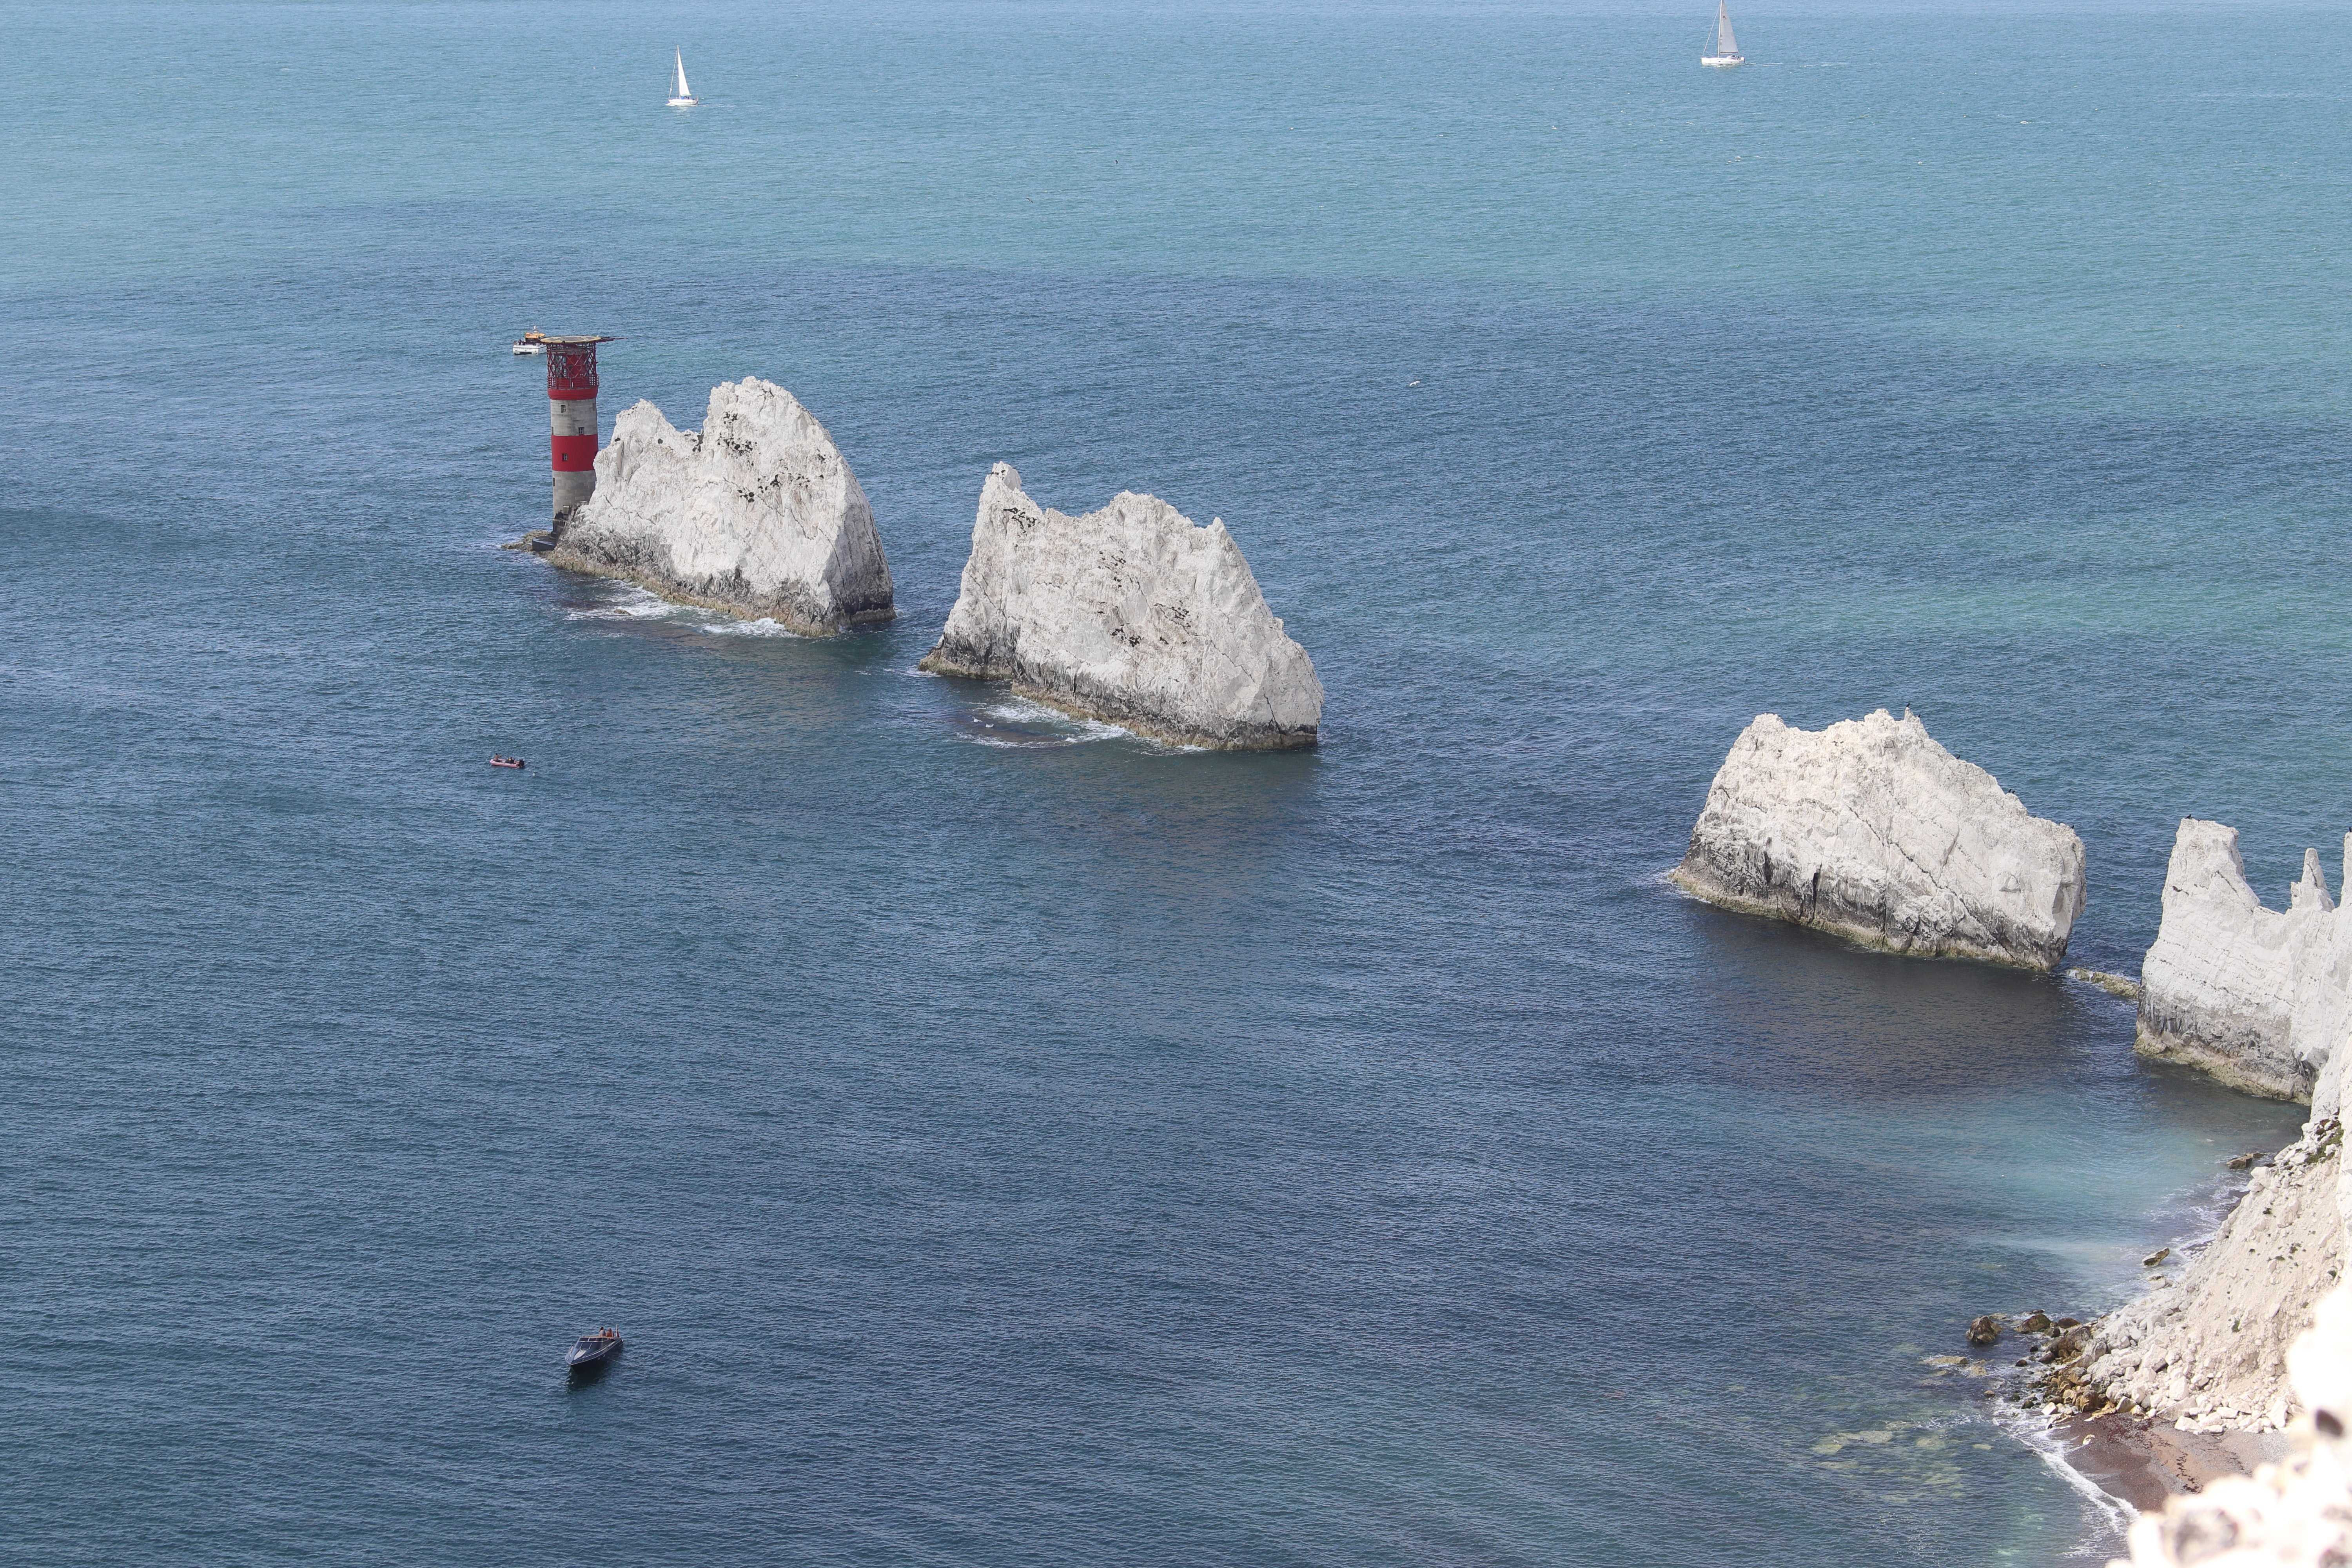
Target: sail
pixel 680 90
pixel 1724 44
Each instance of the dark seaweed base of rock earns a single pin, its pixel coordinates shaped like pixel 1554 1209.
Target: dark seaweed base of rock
pixel 1110 707
pixel 793 611
pixel 1754 885
pixel 2252 1064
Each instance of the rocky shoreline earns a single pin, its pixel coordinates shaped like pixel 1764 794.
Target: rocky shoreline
pixel 2187 1385
pixel 2192 1390
pixel 2146 1467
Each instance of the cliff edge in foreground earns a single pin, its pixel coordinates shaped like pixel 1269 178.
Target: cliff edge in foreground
pixel 2296 1513
pixel 2257 998
pixel 1134 614
pixel 1869 829
pixel 756 514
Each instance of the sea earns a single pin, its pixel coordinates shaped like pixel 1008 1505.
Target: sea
pixel 1000 1139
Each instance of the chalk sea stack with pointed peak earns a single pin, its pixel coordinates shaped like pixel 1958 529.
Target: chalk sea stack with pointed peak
pixel 1869 829
pixel 1133 614
pixel 2260 998
pixel 756 514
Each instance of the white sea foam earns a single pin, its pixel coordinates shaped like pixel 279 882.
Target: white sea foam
pixel 1021 710
pixel 1017 723
pixel 627 602
pixel 765 626
pixel 2038 1432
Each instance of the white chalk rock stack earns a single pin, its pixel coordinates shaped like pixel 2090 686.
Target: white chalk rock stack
pixel 1134 614
pixel 756 513
pixel 2257 998
pixel 1869 829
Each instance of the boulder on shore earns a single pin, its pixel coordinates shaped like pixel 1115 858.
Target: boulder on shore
pixel 756 514
pixel 2257 998
pixel 1133 614
pixel 1869 829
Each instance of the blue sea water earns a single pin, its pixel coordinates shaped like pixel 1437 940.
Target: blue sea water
pixel 1001 1141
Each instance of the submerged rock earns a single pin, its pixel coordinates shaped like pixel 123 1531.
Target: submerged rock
pixel 1134 614
pixel 756 513
pixel 2122 986
pixel 2257 998
pixel 1869 829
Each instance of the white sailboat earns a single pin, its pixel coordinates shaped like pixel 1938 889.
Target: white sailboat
pixel 682 96
pixel 1727 48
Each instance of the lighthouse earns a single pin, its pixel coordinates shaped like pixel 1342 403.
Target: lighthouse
pixel 572 421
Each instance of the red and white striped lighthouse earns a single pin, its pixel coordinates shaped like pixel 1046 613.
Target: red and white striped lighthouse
pixel 572 421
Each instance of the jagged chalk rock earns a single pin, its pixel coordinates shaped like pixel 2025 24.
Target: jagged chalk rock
pixel 756 513
pixel 1869 829
pixel 2260 998
pixel 1134 614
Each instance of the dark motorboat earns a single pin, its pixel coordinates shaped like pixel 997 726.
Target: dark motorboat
pixel 592 1354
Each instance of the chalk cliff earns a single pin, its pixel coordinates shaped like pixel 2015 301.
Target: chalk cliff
pixel 755 513
pixel 2209 1352
pixel 2259 998
pixel 2296 1513
pixel 1871 829
pixel 1133 614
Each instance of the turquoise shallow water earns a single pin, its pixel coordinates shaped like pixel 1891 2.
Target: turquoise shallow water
pixel 1004 1144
